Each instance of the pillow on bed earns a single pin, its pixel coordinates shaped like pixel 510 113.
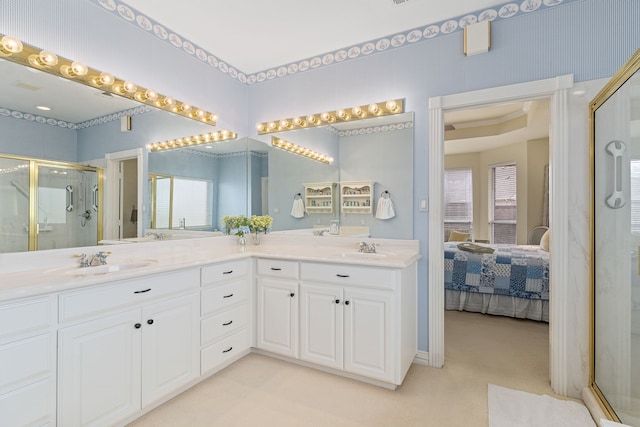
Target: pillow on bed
pixel 457 236
pixel 544 241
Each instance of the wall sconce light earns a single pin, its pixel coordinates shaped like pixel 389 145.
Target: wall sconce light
pixel 378 109
pixel 21 53
pixel 300 150
pixel 189 141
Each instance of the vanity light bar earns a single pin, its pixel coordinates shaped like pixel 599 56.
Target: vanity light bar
pixel 190 141
pixel 16 51
pixel 379 109
pixel 300 150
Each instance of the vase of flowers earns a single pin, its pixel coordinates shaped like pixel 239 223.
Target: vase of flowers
pixel 259 225
pixel 238 225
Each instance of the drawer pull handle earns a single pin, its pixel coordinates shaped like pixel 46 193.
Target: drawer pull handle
pixel 227 272
pixel 228 323
pixel 337 301
pixel 292 295
pixel 227 296
pixel 342 275
pixel 347 302
pixel 150 321
pixel 227 350
pixel 137 326
pixel 142 292
pixel 276 269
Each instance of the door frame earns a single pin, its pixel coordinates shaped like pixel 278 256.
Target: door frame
pixel 556 89
pixel 113 195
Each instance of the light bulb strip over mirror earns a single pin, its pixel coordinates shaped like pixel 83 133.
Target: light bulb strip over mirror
pixel 16 51
pixel 300 150
pixel 378 109
pixel 190 141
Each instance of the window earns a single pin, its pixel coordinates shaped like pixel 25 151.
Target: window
pixel 458 201
pixel 503 204
pixel 181 202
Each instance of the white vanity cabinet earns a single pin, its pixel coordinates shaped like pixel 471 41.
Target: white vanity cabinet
pixel 123 346
pixel 27 362
pixel 226 315
pixel 277 307
pixel 359 319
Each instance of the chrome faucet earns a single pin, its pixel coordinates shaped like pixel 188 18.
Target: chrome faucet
pixel 320 232
pixel 157 236
pixel 367 248
pixel 98 259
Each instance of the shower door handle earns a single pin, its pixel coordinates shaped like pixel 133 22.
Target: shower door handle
pixel 69 198
pixel 616 200
pixel 95 198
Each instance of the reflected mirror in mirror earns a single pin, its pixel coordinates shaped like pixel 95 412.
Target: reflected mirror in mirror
pixel 379 150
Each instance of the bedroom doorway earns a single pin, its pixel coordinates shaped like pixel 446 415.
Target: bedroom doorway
pixel 556 91
pixel 496 160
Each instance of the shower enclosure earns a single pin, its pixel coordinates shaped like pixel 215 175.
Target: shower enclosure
pixel 48 205
pixel 615 358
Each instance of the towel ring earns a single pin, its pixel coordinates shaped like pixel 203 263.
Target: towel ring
pixel 297 196
pixel 385 193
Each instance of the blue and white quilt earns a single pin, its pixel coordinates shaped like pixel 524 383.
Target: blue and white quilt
pixel 519 271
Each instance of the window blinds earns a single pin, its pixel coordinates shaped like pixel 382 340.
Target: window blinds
pixel 458 200
pixel 504 204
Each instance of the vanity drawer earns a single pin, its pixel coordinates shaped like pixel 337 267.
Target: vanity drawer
pixel 28 406
pixel 278 268
pixel 25 316
pixel 224 323
pixel 224 271
pixel 74 305
pixel 224 350
pixel 222 296
pixel 24 361
pixel 347 274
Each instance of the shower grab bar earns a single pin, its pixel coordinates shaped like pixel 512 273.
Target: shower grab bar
pixel 616 200
pixel 69 198
pixel 95 198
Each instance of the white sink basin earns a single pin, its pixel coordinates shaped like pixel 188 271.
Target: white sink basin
pixel 364 255
pixel 100 269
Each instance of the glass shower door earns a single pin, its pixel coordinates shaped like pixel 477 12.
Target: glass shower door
pixel 67 207
pixel 14 205
pixel 616 244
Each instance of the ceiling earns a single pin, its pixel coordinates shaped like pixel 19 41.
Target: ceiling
pixel 253 35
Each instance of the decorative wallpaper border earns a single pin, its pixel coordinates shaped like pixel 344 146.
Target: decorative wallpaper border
pixel 417 35
pixel 376 129
pixel 69 125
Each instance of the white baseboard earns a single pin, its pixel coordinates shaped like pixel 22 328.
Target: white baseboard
pixel 422 358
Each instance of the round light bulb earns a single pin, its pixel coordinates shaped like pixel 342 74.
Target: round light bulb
pixel 272 125
pixel 284 124
pixel 151 94
pixel 260 127
pixel 357 111
pixel 392 106
pixel 11 45
pixel 48 58
pixel 374 109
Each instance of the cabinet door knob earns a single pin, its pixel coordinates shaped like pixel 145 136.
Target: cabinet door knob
pixel 292 295
pixel 137 325
pixel 150 321
pixel 337 301
pixel 347 302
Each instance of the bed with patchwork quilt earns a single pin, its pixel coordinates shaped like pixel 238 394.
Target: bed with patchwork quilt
pixel 512 281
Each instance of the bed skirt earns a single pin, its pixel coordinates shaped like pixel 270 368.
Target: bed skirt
pixel 501 305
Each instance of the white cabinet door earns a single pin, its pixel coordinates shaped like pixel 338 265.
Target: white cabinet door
pixel 277 321
pixel 99 370
pixel 368 321
pixel 321 325
pixel 170 346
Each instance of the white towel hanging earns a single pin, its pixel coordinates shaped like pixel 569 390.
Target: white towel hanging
pixel 298 210
pixel 385 210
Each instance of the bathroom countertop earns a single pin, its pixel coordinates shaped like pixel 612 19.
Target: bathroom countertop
pixel 38 273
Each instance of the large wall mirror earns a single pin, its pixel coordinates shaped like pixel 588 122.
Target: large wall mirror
pixel 49 118
pixel 615 358
pixel 379 150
